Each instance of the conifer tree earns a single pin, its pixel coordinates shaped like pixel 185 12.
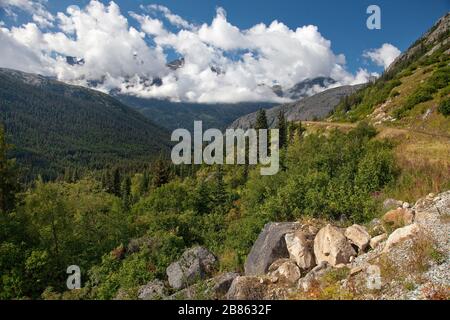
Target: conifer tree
pixel 282 127
pixel 126 193
pixel 8 176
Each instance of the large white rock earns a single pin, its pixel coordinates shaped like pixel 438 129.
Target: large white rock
pixel 401 235
pixel 330 245
pixel 300 249
pixel 358 235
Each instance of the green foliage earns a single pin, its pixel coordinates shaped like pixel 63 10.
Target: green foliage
pixel 8 176
pixel 439 80
pixel 444 107
pixel 282 127
pixel 122 242
pixel 361 103
pixel 261 120
pixel 55 126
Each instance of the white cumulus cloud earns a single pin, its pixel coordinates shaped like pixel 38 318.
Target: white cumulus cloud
pixel 384 55
pixel 222 63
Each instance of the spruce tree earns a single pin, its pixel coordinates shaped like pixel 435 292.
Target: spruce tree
pixel 116 186
pixel 8 176
pixel 261 120
pixel 282 127
pixel 160 173
pixel 126 193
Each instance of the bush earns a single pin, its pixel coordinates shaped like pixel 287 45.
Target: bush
pixel 444 107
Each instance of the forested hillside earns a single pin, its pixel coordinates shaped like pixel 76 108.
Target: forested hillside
pixel 55 126
pixel 174 115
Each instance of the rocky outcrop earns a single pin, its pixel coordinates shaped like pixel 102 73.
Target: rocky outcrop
pixel 195 264
pixel 331 246
pixel 358 236
pixel 214 288
pixel 400 235
pixel 300 249
pixel 269 247
pixel 284 270
pixel 399 217
pixel 375 241
pixel 248 288
pixel 153 290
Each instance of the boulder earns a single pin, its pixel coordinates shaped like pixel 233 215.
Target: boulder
pixel 390 204
pixel 375 241
pixel 215 288
pixel 285 270
pixel 399 217
pixel 332 246
pixel 153 290
pixel 401 235
pixel 311 278
pixel 300 249
pixel 269 247
pixel 358 236
pixel 247 288
pixel 195 264
pixel 222 283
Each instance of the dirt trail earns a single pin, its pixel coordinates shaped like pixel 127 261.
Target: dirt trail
pixel 385 131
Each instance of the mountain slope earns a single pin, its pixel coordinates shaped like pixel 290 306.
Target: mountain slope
pixel 174 115
pixel 55 125
pixel 414 92
pixel 317 106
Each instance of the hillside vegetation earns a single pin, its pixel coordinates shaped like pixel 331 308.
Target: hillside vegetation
pixel 55 126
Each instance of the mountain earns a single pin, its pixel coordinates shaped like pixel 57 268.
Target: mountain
pixel 54 125
pixel 174 115
pixel 317 106
pixel 306 87
pixel 413 93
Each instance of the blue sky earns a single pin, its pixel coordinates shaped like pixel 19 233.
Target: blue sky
pixel 342 22
pixel 237 37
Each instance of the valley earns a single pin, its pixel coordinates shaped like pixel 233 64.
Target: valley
pixel 358 208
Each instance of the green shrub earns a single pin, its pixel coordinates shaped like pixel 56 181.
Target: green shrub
pixel 444 107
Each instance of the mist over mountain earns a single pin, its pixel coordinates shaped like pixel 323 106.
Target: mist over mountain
pixel 318 106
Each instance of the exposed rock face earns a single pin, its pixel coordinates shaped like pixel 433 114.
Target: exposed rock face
pixel 269 246
pixel 153 290
pixel 358 236
pixel 285 270
pixel 195 264
pixel 308 280
pixel 375 241
pixel 300 249
pixel 399 217
pixel 332 246
pixel 400 235
pixel 430 38
pixel 248 288
pixel 215 288
pixel 223 282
